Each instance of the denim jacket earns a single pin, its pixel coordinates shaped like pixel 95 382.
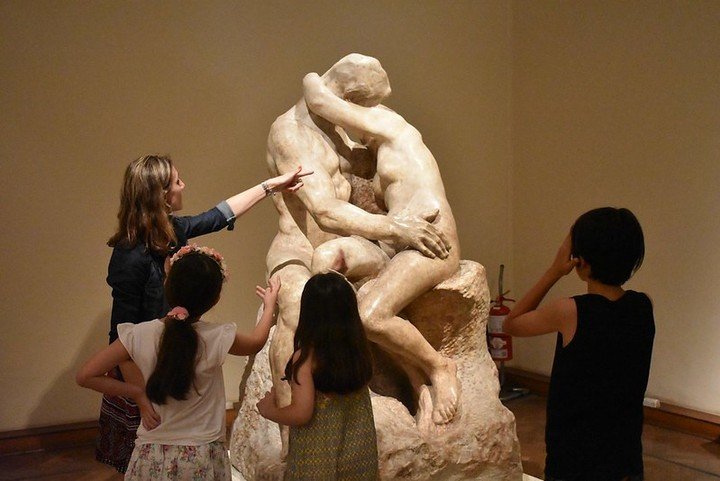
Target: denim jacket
pixel 136 274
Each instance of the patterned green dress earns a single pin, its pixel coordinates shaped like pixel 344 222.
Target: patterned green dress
pixel 339 442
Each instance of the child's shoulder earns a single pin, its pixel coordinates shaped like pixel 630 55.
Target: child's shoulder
pixel 146 333
pixel 146 327
pixel 641 297
pixel 296 355
pixel 638 294
pixel 204 328
pixel 561 306
pixel 306 357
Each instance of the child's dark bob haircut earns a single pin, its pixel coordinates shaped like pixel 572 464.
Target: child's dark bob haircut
pixel 611 241
pixel 330 328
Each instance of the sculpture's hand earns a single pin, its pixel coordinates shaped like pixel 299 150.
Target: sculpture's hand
pixel 420 234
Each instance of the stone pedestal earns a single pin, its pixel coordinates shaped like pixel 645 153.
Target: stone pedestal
pixel 479 444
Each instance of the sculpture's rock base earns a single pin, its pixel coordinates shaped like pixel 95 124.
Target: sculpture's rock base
pixel 479 443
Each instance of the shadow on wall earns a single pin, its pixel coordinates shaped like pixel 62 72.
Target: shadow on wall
pixel 63 392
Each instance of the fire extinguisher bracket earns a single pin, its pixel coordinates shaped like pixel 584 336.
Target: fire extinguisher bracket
pixel 499 343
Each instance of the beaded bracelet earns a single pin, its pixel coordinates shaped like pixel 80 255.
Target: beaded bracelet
pixel 268 190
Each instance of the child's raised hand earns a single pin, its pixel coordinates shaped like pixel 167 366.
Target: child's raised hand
pixel 267 403
pixel 564 263
pixel 269 294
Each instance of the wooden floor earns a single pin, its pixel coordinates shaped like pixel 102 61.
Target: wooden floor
pixel 669 455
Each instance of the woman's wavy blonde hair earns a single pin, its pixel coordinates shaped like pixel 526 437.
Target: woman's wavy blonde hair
pixel 144 215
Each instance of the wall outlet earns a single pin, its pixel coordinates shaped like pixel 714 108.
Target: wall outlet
pixel 651 402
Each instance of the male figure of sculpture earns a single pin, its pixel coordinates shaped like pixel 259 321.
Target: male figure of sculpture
pixel 320 212
pixel 407 183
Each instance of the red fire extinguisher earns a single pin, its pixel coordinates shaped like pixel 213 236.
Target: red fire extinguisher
pixel 499 343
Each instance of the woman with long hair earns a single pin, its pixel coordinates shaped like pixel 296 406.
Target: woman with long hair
pixel 148 231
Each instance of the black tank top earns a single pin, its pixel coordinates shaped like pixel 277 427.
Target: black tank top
pixel 598 381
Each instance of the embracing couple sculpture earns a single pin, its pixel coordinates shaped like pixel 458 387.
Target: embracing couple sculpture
pixel 375 210
pixel 403 253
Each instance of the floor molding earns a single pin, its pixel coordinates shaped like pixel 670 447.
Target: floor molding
pixel 61 436
pixel 667 415
pixel 47 438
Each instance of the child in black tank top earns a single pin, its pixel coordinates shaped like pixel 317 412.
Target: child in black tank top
pixel 602 357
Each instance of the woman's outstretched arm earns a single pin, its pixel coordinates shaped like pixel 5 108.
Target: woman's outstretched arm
pixel 290 182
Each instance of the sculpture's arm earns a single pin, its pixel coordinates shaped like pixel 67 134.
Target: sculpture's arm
pixel 379 122
pixel 291 144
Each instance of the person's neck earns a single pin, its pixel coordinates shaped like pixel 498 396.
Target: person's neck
pixel 612 293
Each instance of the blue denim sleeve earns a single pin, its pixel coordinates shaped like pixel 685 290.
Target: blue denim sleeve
pixel 227 212
pixel 213 220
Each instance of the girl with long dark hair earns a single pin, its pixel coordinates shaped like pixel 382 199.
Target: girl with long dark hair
pixel 148 231
pixel 332 430
pixel 182 436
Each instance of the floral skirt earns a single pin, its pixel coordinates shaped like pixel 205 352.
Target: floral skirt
pixel 166 462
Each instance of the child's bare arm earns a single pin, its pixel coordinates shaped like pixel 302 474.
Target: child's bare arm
pixel 248 344
pixel 92 375
pixel 131 373
pixel 300 409
pixel 551 317
pixel 526 319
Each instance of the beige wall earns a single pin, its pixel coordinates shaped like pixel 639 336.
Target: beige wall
pixel 618 103
pixel 609 103
pixel 88 86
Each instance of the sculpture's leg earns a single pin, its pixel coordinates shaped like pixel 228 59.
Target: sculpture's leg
pixel 293 278
pixel 362 258
pixel 408 275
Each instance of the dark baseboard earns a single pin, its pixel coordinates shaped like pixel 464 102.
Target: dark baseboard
pixel 48 438
pixel 669 416
pixel 61 436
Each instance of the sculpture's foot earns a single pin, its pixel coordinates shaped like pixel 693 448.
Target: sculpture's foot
pixel 446 390
pixel 423 417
